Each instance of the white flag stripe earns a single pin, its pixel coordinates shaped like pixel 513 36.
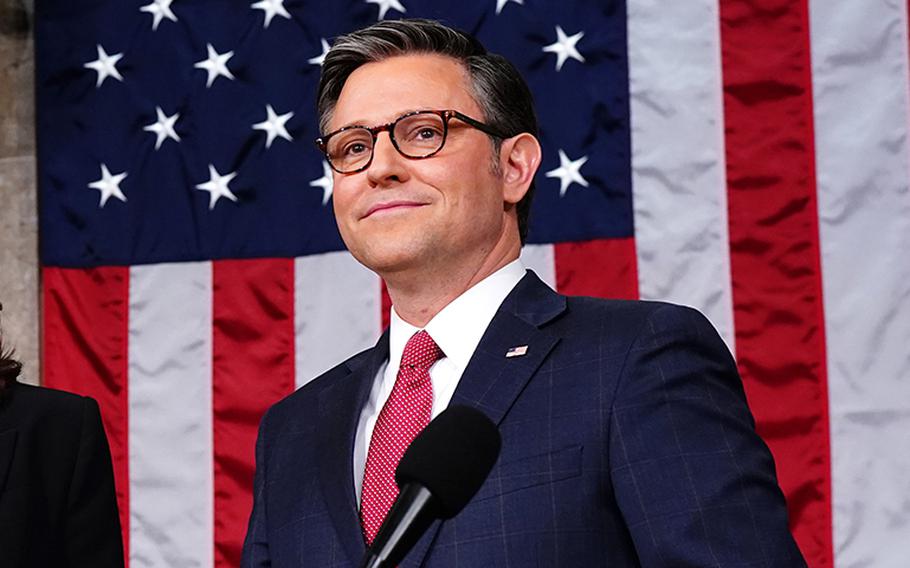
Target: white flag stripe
pixel 336 312
pixel 678 170
pixel 540 259
pixel 859 59
pixel 170 415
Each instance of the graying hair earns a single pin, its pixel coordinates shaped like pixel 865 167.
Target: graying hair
pixel 497 86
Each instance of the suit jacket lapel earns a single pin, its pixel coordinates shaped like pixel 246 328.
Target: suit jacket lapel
pixel 339 414
pixel 492 381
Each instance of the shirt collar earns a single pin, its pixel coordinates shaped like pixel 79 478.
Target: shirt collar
pixel 458 327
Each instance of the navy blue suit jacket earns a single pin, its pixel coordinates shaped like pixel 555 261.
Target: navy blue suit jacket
pixel 626 441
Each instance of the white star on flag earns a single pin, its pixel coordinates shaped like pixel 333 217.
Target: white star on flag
pixel 325 182
pixel 163 127
pixel 216 65
pixel 217 186
pixel 568 172
pixel 273 126
pixel 321 57
pixel 384 6
pixel 109 185
pixel 271 8
pixel 500 4
pixel 105 66
pixel 564 48
pixel 159 9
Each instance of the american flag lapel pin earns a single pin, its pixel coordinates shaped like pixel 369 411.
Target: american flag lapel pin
pixel 517 351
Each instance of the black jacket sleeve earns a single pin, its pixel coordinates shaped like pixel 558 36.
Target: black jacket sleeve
pixel 92 526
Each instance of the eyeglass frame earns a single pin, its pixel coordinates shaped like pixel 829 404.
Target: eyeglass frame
pixel 445 115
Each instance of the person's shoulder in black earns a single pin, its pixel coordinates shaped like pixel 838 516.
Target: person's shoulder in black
pixel 57 501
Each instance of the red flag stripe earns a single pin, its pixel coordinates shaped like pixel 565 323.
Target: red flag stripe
pixel 252 368
pixel 84 342
pixel 385 305
pixel 774 252
pixel 604 268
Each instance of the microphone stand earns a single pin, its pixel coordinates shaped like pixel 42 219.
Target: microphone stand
pixel 410 516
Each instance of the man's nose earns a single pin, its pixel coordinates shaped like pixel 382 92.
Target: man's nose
pixel 387 164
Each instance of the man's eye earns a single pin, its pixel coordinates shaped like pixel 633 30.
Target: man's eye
pixel 424 133
pixel 427 133
pixel 355 148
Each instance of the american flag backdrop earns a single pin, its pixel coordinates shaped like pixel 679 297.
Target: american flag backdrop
pixel 746 157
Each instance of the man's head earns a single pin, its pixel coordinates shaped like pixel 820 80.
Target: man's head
pixel 373 76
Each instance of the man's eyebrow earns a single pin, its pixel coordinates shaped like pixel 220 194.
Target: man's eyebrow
pixel 363 123
pixel 350 124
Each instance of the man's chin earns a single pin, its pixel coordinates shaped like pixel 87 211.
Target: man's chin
pixel 388 261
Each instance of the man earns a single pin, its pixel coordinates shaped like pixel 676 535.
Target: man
pixel 626 439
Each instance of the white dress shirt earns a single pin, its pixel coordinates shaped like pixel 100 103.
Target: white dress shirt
pixel 457 330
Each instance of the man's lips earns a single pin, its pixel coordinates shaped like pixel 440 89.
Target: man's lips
pixel 392 205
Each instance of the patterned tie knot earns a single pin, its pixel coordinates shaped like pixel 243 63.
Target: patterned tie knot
pixel 420 352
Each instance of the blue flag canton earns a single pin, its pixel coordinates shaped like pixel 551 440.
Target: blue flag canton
pixel 173 131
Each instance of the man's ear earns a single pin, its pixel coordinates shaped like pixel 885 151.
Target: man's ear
pixel 519 158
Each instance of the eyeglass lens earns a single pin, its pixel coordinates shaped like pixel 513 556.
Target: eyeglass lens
pixel 415 136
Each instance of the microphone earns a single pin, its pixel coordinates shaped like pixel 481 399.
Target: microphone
pixel 439 473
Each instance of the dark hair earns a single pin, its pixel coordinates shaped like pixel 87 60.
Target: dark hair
pixel 497 86
pixel 9 367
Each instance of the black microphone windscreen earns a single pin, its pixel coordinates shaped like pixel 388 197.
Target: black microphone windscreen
pixel 451 457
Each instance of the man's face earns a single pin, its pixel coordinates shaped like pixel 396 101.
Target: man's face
pixel 401 213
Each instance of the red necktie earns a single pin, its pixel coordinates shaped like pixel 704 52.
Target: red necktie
pixel 404 415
